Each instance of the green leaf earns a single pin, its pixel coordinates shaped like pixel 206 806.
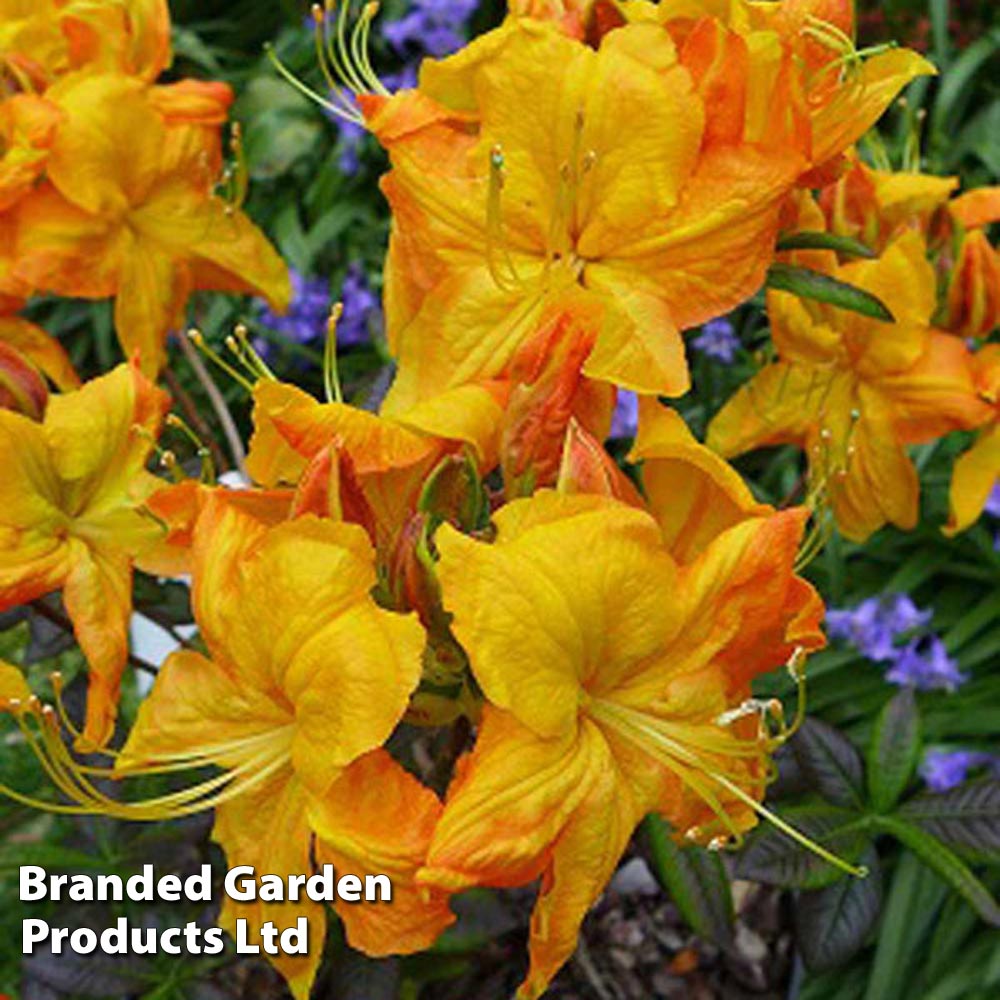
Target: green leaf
pixel 770 856
pixel 945 863
pixel 808 240
pixel 809 284
pixel 696 881
pixel 894 750
pixel 831 763
pixel 909 913
pixel 966 819
pixel 832 924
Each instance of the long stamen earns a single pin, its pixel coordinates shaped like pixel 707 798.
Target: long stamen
pixel 495 233
pixel 648 735
pixel 262 756
pixel 198 339
pixel 360 48
pixel 331 372
pixel 307 91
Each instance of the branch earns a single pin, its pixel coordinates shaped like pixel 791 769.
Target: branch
pixel 61 621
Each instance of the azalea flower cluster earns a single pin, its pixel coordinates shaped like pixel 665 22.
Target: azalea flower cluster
pixel 112 184
pixel 570 192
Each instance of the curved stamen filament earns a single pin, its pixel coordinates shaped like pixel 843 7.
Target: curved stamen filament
pixel 652 736
pixel 261 756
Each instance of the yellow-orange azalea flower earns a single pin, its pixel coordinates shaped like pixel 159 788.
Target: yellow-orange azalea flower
pixel 853 391
pixel 875 206
pixel 304 681
pixel 616 685
pixel 70 517
pixel 144 227
pixel 40 42
pixel 532 174
pixel 639 177
pixel 977 472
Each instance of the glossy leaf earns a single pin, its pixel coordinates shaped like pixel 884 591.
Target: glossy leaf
pixel 832 924
pixel 696 881
pixel 966 819
pixel 819 240
pixel 771 857
pixel 945 863
pixel 894 750
pixel 809 284
pixel 831 763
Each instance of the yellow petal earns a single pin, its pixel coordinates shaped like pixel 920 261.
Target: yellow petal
pixel 881 483
pixel 564 603
pixel 509 803
pixel 378 819
pixel 693 494
pixel 194 704
pixel 13 686
pixel 860 103
pixel 976 473
pixel 98 598
pixel 583 861
pixel 100 437
pixel 44 351
pixel 267 830
pixel 778 406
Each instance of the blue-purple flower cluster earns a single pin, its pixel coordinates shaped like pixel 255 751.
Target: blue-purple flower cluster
pixel 892 630
pixel 433 28
pixel 306 320
pixel 717 341
pixel 943 770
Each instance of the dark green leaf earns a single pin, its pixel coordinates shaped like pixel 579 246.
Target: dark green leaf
pixel 772 857
pixel 832 924
pixel 807 240
pixel 696 881
pixel 966 819
pixel 894 750
pixel 831 763
pixel 809 284
pixel 943 861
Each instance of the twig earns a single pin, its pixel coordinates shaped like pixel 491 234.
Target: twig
pixel 218 404
pixel 61 621
pixel 583 960
pixel 196 420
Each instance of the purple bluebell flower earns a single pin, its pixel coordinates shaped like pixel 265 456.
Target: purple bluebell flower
pixel 434 27
pixel 352 140
pixel 876 624
pixel 993 501
pixel 718 341
pixel 306 318
pixel 943 770
pixel 625 421
pixel 924 664
pixel 361 307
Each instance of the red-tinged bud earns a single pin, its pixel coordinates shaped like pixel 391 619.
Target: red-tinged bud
pixel 974 292
pixel 22 387
pixel 329 487
pixel 550 391
pixel 588 468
